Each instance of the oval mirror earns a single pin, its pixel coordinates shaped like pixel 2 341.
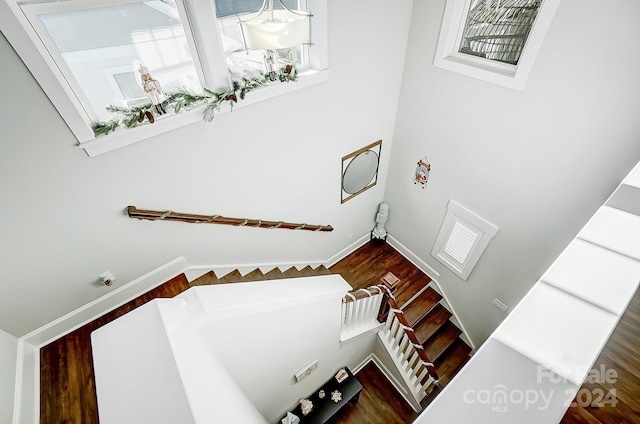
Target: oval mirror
pixel 360 170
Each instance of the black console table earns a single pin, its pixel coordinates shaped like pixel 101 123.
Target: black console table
pixel 324 409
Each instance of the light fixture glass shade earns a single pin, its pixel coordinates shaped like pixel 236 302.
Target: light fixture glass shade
pixel 282 29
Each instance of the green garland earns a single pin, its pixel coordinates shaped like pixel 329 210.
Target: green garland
pixel 186 99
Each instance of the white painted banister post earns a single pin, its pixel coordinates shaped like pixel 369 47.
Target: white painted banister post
pixel 360 310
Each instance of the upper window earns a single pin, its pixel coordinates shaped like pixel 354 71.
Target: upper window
pixel 498 30
pixel 109 57
pixel 242 60
pixel 100 50
pixel 494 40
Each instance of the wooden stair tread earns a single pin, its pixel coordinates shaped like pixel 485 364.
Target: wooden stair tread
pixel 322 270
pixel 292 272
pixel 409 286
pixel 432 322
pixel 441 341
pixel 232 277
pixel 275 274
pixel 205 280
pixel 307 271
pixel 255 275
pixel 421 305
pixel 453 359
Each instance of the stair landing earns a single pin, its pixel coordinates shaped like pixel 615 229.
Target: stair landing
pixel 367 265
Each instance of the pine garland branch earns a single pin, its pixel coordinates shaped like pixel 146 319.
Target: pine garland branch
pixel 184 98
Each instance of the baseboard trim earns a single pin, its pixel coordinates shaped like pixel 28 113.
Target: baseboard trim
pixel 92 310
pixel 347 250
pixel 385 371
pixel 26 406
pixel 414 259
pixel 125 293
pixel 196 271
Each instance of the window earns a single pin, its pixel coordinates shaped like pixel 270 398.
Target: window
pixel 86 42
pixel 95 53
pixel 493 40
pixel 241 61
pixel 462 239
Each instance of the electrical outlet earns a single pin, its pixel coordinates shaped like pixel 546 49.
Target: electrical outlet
pixel 500 305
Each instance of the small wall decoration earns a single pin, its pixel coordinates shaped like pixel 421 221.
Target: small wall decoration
pixel 360 170
pixel 422 172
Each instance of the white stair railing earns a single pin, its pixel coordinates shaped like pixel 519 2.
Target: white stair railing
pixel 408 355
pixel 363 309
pixel 360 311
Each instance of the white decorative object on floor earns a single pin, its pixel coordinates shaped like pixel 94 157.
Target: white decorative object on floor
pixel 379 232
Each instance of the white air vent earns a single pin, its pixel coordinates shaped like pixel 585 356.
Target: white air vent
pixel 462 239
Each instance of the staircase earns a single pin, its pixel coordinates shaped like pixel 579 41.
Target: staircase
pixel 439 336
pixel 424 308
pixel 256 274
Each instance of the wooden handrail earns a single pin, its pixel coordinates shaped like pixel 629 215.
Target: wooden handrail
pixel 354 295
pixel 408 330
pixel 217 219
pixel 389 305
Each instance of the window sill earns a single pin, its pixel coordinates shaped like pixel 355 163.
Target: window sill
pixel 123 137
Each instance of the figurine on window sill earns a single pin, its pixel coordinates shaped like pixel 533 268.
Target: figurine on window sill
pixel 153 89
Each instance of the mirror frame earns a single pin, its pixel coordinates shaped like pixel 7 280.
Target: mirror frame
pixel 375 147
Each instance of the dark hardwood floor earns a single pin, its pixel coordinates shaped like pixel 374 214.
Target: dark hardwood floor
pixel 613 399
pixel 68 387
pixel 368 264
pixel 67 390
pixel 67 383
pixel 380 402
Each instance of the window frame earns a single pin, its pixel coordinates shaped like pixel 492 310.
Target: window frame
pixel 511 76
pixel 484 230
pixel 24 39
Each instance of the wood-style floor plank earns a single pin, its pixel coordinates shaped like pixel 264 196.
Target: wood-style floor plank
pixel 367 265
pixel 67 382
pixel 68 387
pixel 380 402
pixel 620 355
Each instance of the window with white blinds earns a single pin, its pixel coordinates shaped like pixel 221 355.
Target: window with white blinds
pixel 462 239
pixel 460 242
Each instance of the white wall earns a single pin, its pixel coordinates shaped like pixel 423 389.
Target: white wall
pixel 8 364
pixel 63 220
pixel 532 366
pixel 226 352
pixel 536 163
pixel 262 346
pixel 138 378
